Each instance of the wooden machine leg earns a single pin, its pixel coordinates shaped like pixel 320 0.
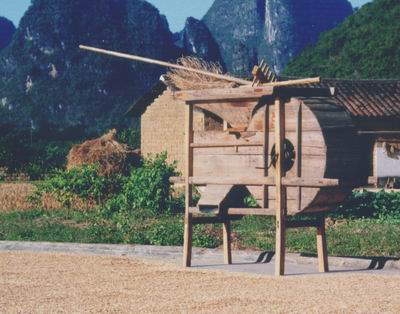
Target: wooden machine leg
pixel 280 198
pixel 226 228
pixel 280 247
pixel 322 247
pixel 187 241
pixel 188 229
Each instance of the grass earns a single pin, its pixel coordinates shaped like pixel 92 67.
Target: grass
pixel 352 237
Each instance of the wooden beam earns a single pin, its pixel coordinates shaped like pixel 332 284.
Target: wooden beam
pixel 224 94
pixel 226 232
pixel 299 151
pixel 210 145
pixel 251 211
pixel 280 198
pixel 232 212
pixel 322 246
pixel 311 80
pixel 188 230
pixel 265 197
pixel 270 181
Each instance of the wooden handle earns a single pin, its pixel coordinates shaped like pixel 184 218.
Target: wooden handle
pixel 165 64
pixel 181 67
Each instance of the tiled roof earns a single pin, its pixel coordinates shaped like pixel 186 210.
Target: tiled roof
pixel 367 98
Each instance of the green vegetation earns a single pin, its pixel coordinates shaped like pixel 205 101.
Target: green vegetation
pixel 142 208
pixel 352 237
pixel 366 45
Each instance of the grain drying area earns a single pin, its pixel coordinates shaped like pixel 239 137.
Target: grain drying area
pixel 45 283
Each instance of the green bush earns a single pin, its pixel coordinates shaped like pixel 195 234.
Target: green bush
pixel 81 182
pixel 148 187
pixel 369 204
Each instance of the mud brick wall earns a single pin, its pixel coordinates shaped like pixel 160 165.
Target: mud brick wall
pixel 163 128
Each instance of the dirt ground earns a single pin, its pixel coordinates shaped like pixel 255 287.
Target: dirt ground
pixel 44 283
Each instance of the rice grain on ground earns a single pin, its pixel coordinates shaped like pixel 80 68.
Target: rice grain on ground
pixel 43 283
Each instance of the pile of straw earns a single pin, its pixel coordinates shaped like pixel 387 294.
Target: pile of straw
pixel 186 80
pixel 111 156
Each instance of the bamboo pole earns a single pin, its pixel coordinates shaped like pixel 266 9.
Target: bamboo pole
pixel 181 67
pixel 165 64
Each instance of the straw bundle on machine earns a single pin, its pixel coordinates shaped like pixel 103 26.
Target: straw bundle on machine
pixel 111 156
pixel 188 80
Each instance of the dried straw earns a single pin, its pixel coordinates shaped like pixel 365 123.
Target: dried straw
pixel 182 79
pixel 112 156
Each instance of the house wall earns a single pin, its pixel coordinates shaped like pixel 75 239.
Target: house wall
pixel 386 164
pixel 163 128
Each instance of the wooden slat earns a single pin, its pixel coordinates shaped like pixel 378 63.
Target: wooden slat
pixel 280 198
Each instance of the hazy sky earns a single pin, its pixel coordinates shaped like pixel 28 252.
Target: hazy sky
pixel 176 10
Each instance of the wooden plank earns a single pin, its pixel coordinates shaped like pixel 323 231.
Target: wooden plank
pixel 226 231
pixel 280 198
pixel 224 94
pixel 299 152
pixel 295 82
pixel 209 145
pixel 232 212
pixel 322 246
pixel 251 211
pixel 270 181
pixel 265 202
pixel 188 229
pixel 310 182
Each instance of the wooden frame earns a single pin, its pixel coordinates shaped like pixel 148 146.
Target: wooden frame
pixel 279 181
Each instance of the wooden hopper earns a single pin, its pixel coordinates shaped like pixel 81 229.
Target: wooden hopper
pixel 294 149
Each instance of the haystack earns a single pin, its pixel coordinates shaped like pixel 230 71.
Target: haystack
pixel 111 156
